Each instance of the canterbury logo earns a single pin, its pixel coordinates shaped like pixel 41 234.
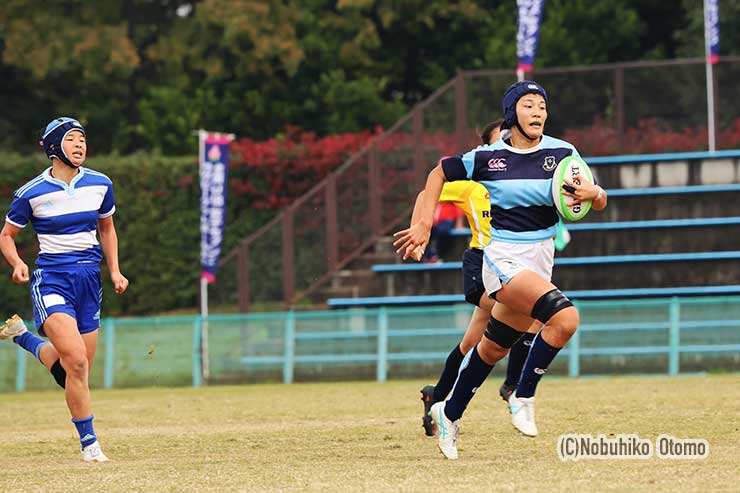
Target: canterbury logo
pixel 540 371
pixel 497 164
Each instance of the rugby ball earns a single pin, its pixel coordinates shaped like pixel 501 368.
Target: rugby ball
pixel 568 168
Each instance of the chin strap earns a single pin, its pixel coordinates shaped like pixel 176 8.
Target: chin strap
pixel 63 158
pixel 521 130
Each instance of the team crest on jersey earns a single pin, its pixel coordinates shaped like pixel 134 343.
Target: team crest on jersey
pixel 497 164
pixel 549 163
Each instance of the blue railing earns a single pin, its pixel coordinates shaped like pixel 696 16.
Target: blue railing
pixel 573 352
pixel 288 343
pixel 596 259
pixel 585 294
pixel 651 224
pixel 674 156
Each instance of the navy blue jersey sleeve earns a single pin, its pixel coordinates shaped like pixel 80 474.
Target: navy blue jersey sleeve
pixel 454 168
pixel 20 212
pixel 108 207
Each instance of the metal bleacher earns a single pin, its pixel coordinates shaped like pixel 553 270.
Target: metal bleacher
pixel 576 295
pixel 673 260
pixel 605 259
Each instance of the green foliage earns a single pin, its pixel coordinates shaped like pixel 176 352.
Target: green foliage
pixel 142 74
pixel 357 103
pixel 157 219
pixel 689 37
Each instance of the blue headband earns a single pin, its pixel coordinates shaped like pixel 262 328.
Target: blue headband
pixel 54 134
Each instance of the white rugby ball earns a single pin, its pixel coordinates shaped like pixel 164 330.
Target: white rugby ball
pixel 569 168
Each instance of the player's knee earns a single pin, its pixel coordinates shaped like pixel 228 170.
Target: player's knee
pixel 550 304
pixel 501 333
pixel 491 352
pixel 565 322
pixel 76 365
pixel 57 371
pixel 467 344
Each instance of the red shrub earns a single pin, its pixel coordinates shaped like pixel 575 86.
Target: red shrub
pixel 275 172
pixel 649 137
pixel 283 168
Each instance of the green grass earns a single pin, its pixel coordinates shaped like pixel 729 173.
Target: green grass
pixel 367 437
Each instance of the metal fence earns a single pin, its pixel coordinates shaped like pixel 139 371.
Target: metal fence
pixel 668 336
pixel 639 107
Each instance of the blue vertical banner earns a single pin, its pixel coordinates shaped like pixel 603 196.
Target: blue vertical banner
pixel 711 30
pixel 214 171
pixel 528 32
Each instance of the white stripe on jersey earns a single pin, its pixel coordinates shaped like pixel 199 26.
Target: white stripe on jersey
pixel 8 220
pixel 109 213
pixel 97 173
pixel 474 213
pixel 36 294
pixel 68 243
pixel 59 203
pixel 29 185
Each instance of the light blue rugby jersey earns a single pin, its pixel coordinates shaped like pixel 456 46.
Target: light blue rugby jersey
pixel 65 217
pixel 519 182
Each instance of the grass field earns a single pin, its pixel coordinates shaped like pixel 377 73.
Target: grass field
pixel 368 437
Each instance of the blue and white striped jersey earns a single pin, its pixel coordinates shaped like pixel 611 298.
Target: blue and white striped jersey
pixel 519 182
pixel 65 217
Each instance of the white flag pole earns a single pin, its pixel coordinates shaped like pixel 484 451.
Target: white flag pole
pixel 204 360
pixel 710 80
pixel 204 363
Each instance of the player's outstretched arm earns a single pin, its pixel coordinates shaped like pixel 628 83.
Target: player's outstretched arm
pixel 418 252
pixel 109 243
pixel 10 252
pixel 418 234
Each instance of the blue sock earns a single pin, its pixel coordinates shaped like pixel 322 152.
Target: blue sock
pixel 449 374
pixel 517 357
pixel 85 429
pixel 540 356
pixel 473 373
pixel 31 343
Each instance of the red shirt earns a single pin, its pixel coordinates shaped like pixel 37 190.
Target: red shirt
pixel 446 211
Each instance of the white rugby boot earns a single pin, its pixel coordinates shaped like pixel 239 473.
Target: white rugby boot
pixel 446 429
pixel 93 453
pixel 522 414
pixel 12 327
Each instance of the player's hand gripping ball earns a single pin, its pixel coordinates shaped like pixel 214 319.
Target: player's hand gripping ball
pixel 572 169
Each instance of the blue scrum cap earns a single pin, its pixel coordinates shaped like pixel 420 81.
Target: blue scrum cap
pixel 54 134
pixel 512 96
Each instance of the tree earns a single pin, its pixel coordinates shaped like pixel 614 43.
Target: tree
pixel 141 74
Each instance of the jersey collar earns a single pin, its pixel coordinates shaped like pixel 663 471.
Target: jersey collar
pixel 69 188
pixel 506 134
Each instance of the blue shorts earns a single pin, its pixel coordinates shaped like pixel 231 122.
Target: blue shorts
pixel 76 292
pixel 472 268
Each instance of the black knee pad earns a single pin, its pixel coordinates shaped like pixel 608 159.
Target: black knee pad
pixel 502 334
pixel 57 371
pixel 549 304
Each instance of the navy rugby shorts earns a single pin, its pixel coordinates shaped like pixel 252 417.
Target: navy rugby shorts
pixel 472 268
pixel 76 291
